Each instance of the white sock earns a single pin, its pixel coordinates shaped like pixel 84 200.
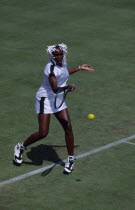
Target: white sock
pixel 22 144
pixel 72 157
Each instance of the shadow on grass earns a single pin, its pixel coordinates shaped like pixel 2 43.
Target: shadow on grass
pixel 42 152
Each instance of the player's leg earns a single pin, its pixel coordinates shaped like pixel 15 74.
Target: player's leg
pixel 44 122
pixel 64 119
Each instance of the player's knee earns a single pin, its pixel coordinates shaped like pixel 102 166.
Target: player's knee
pixel 68 129
pixel 43 133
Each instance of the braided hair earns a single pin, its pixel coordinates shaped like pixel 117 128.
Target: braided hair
pixel 53 48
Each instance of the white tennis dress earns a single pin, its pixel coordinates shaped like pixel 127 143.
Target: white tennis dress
pixel 45 96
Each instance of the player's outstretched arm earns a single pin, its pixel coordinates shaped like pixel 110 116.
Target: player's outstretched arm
pixel 85 67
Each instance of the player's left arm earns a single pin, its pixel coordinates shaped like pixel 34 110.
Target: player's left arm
pixel 85 67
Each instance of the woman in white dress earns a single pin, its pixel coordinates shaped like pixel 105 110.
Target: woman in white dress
pixel 56 75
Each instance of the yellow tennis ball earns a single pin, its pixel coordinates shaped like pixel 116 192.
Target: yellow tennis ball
pixel 91 116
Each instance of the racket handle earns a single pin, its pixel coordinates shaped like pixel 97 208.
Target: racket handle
pixel 70 87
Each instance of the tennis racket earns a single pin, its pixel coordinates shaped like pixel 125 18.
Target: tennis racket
pixel 60 97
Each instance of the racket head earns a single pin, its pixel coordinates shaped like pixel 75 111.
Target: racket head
pixel 60 97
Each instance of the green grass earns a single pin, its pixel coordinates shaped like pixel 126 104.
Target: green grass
pixel 100 33
pixel 106 182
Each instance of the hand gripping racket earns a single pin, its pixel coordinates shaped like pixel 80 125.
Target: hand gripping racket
pixel 60 97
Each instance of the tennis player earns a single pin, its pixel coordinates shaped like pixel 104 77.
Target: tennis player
pixel 55 77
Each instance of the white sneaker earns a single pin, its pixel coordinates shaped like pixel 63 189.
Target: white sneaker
pixel 69 165
pixel 18 150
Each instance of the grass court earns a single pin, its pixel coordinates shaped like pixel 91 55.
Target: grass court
pixel 97 32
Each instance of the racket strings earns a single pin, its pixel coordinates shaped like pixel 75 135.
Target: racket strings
pixel 59 99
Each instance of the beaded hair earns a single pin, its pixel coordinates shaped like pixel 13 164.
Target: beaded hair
pixel 53 48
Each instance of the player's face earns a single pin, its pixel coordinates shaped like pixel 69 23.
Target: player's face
pixel 58 56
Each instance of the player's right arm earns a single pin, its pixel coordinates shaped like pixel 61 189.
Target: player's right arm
pixel 50 74
pixel 53 83
pixel 53 80
pixel 55 88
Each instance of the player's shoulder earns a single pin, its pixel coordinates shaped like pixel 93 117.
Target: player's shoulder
pixel 64 63
pixel 47 67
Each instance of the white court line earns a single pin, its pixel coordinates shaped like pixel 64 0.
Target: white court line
pixel 23 176
pixel 130 143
